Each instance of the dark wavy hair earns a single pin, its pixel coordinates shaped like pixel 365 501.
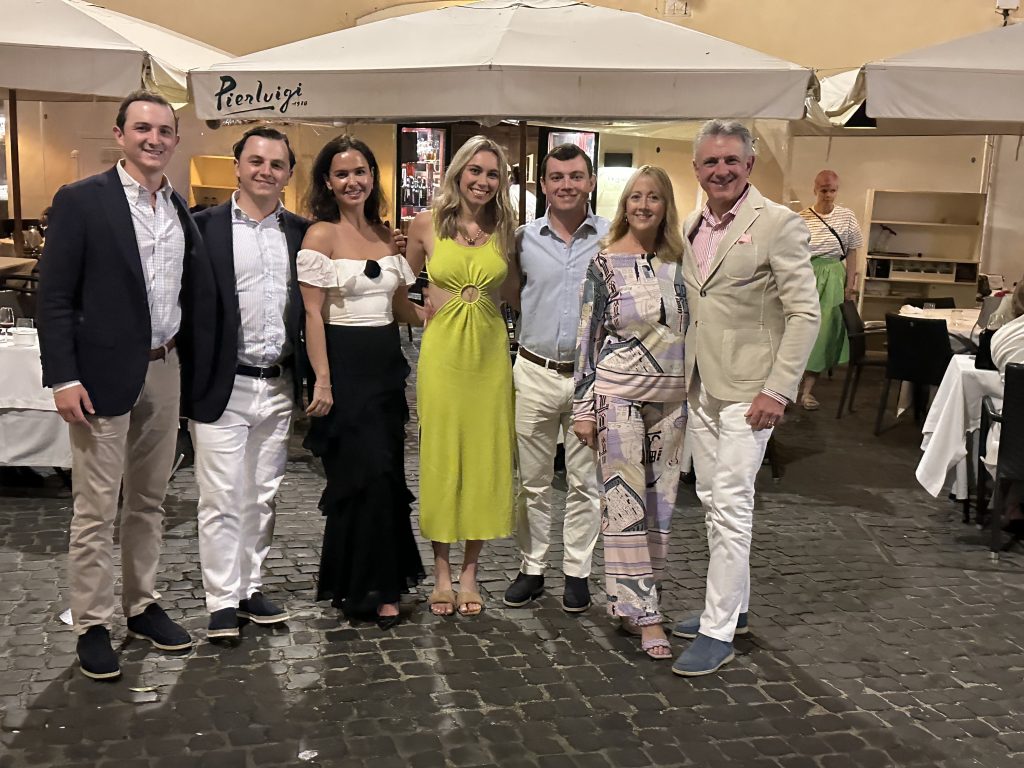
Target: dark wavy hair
pixel 320 202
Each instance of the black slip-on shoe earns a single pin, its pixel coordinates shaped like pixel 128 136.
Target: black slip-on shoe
pixel 523 590
pixel 576 598
pixel 95 655
pixel 154 625
pixel 223 624
pixel 260 610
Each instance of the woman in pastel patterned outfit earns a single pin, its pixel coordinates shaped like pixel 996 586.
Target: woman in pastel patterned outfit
pixel 354 284
pixel 464 380
pixel 630 401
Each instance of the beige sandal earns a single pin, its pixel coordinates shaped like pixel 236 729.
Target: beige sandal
pixel 467 598
pixel 442 597
pixel 629 627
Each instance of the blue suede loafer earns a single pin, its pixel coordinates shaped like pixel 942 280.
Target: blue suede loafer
pixel 704 656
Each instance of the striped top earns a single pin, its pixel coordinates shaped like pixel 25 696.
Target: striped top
pixel 823 243
pixel 710 234
pixel 630 342
pixel 261 282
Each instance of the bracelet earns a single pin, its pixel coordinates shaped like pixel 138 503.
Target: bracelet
pixel 321 386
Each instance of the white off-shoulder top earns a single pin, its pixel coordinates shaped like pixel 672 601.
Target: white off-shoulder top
pixel 353 298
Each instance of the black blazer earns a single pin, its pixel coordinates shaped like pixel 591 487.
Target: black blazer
pixel 93 311
pixel 215 227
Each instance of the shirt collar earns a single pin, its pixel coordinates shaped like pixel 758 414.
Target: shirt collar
pixel 237 214
pixel 128 182
pixel 709 216
pixel 544 223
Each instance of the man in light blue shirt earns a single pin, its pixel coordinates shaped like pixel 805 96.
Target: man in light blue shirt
pixel 551 260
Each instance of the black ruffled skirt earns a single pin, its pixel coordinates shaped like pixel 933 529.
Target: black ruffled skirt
pixel 369 554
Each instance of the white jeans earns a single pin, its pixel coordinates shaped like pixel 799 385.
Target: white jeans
pixel 240 462
pixel 727 454
pixel 543 404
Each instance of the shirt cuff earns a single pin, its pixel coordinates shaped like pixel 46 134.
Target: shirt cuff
pixel 65 385
pixel 775 396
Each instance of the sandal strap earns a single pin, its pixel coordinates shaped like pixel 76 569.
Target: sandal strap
pixel 656 642
pixel 442 597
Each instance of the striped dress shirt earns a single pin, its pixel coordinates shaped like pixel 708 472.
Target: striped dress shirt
pixel 261 282
pixel 161 242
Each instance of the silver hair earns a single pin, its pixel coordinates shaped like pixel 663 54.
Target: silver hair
pixel 725 128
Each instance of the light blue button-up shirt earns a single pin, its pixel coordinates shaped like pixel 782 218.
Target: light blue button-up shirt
pixel 553 271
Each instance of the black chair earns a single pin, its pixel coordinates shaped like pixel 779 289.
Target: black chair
pixel 940 302
pixel 1010 464
pixel 859 354
pixel 918 353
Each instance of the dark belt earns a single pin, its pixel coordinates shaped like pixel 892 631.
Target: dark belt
pixel 553 365
pixel 258 373
pixel 161 352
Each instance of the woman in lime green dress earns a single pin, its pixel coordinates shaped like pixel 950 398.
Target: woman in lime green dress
pixel 464 380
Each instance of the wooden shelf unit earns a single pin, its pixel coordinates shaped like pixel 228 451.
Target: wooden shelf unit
pixel 212 180
pixel 921 244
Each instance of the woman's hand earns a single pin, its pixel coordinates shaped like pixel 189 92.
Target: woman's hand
pixel 586 433
pixel 322 400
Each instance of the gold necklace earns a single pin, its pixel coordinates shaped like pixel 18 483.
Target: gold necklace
pixel 472 240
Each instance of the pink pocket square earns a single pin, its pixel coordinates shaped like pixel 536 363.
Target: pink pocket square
pixel 744 238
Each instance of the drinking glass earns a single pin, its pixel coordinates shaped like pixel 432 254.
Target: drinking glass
pixel 6 319
pixel 24 322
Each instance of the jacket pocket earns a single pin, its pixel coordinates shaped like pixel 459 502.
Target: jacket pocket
pixel 741 262
pixel 747 353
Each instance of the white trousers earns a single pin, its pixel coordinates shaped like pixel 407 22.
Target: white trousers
pixel 240 462
pixel 727 455
pixel 543 405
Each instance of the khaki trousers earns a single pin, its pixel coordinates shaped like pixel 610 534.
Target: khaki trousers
pixel 543 404
pixel 139 447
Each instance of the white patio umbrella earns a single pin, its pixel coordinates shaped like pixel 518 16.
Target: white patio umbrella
pixel 69 50
pixel 495 59
pixel 975 79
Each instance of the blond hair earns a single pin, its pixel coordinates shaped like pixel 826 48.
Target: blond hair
pixel 669 242
pixel 498 212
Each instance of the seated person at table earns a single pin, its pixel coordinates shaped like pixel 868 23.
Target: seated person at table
pixel 1008 341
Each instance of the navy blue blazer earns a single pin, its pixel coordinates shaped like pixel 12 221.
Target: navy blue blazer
pixel 215 228
pixel 93 310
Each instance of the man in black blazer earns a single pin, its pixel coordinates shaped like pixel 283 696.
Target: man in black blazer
pixel 241 423
pixel 121 277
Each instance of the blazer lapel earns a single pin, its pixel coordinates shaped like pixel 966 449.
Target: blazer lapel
pixel 293 234
pixel 745 216
pixel 119 216
pixel 690 271
pixel 222 253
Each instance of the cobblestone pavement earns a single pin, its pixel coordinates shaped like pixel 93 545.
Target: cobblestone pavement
pixel 882 635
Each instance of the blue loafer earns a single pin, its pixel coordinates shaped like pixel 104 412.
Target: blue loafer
pixel 690 626
pixel 704 656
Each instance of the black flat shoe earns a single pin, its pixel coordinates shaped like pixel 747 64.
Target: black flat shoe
pixel 525 589
pixel 389 622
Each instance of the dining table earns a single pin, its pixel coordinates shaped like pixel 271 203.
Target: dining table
pixel 953 418
pixel 32 433
pixel 12 266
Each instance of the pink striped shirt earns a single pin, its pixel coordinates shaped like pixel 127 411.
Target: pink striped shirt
pixel 710 234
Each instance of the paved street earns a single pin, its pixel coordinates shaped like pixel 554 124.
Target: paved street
pixel 882 635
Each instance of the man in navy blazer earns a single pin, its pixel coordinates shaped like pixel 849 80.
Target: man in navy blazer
pixel 241 423
pixel 126 307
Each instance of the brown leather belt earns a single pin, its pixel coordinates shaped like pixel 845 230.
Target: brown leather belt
pixel 553 365
pixel 161 352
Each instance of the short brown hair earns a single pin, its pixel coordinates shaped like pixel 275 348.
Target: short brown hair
pixel 564 152
pixel 142 95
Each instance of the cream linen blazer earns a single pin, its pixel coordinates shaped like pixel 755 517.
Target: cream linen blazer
pixel 755 318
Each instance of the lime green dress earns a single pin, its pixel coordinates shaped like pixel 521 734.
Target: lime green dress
pixel 464 401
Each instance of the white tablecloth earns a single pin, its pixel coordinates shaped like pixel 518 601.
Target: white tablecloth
pixel 32 433
pixel 955 412
pixel 959 322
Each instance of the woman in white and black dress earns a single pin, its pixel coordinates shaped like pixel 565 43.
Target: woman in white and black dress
pixel 354 287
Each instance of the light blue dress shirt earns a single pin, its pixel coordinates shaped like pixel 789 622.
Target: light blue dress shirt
pixel 553 271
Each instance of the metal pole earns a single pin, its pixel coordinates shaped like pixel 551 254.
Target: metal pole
pixel 15 196
pixel 522 172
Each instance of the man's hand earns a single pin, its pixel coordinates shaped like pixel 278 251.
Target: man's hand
pixel 73 403
pixel 765 412
pixel 586 433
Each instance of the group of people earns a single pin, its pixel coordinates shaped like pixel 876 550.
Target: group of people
pixel 697 331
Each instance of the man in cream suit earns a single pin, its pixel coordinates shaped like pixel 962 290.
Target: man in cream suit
pixel 753 320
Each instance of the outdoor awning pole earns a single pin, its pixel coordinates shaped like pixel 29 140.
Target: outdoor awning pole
pixel 522 172
pixel 15 196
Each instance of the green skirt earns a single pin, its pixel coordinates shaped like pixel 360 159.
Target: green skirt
pixel 832 347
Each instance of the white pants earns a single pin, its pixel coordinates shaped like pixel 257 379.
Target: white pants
pixel 240 462
pixel 727 454
pixel 543 404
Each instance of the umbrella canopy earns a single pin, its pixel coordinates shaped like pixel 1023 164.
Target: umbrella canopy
pixel 978 78
pixel 54 50
pixel 494 59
